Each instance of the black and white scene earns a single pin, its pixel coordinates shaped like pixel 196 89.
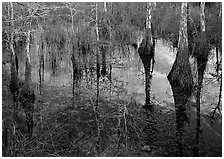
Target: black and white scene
pixel 111 79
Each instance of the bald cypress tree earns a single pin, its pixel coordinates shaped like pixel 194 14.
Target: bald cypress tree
pixel 181 80
pixel 201 55
pixel 146 52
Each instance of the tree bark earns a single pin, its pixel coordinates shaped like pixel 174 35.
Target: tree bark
pixel 41 66
pixel 40 71
pixel 97 87
pixel 219 101
pixel 14 85
pixel 27 95
pixel 217 62
pixel 201 56
pixel 181 80
pixel 74 69
pixel 104 34
pixel 104 63
pixel 146 52
pixel 110 51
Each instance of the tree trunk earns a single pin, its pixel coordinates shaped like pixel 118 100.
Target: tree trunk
pixel 5 139
pixel 201 68
pixel 104 64
pixel 42 64
pixel 73 74
pixel 27 95
pixel 219 101
pixel 217 63
pixel 147 64
pixel 201 56
pixel 40 77
pixel 41 68
pixel 14 85
pixel 110 52
pixel 103 49
pixel 42 59
pixel 146 52
pixel 97 86
pixel 181 80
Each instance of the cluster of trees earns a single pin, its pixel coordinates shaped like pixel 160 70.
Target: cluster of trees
pixel 89 33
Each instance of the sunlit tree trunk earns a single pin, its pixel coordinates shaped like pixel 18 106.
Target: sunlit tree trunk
pixel 146 52
pixel 181 80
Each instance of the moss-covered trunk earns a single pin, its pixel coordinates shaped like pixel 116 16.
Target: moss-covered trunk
pixel 181 80
pixel 146 52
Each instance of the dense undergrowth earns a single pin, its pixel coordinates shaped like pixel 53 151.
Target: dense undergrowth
pixel 67 126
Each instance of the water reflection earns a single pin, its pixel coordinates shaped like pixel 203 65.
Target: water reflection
pixel 133 75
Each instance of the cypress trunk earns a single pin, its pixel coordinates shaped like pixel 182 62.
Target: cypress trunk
pixel 217 62
pixel 42 69
pixel 181 80
pixel 146 53
pixel 201 66
pixel 97 117
pixel 201 55
pixel 27 95
pixel 41 72
pixel 104 64
pixel 74 74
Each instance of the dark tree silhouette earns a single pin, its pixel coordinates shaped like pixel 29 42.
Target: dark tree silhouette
pixel 27 98
pixel 103 50
pixel 201 55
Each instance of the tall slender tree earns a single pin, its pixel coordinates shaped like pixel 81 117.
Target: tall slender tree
pixel 146 52
pixel 201 55
pixel 104 37
pixel 180 78
pixel 98 78
pixel 27 95
pixel 40 50
pixel 110 50
pixel 14 86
